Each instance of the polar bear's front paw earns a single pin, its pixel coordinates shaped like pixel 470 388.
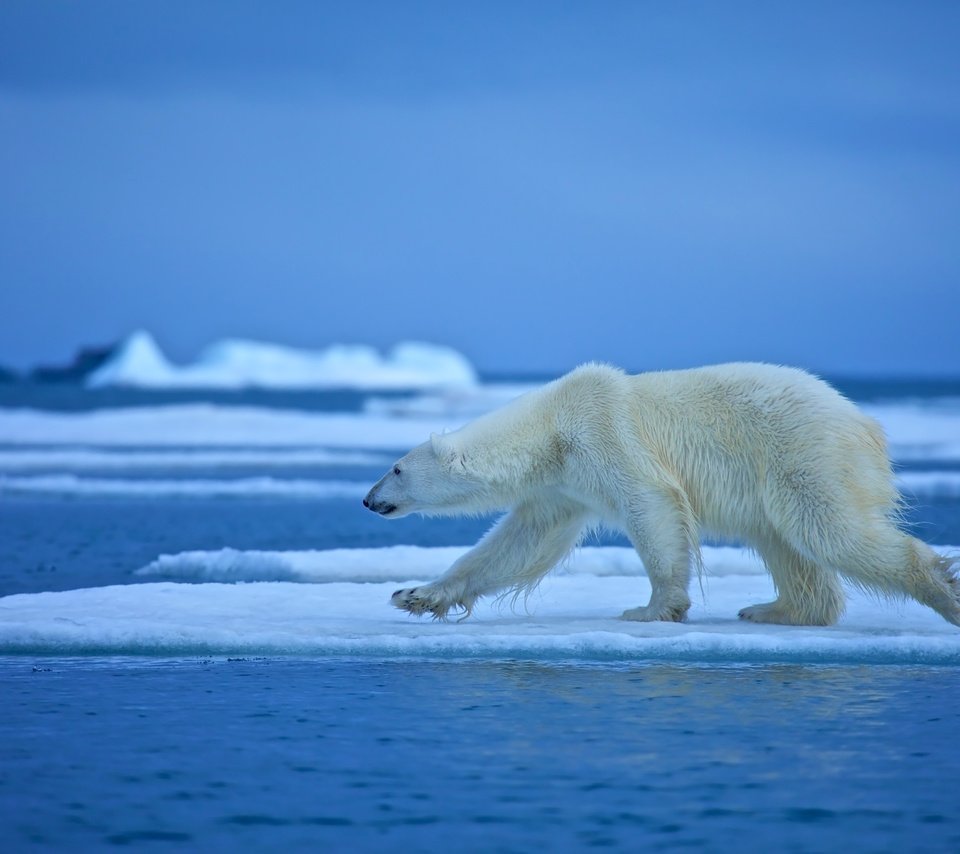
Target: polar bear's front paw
pixel 426 600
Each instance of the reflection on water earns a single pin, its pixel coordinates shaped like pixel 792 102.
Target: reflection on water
pixel 494 755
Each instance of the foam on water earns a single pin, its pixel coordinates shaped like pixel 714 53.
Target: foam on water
pixel 573 615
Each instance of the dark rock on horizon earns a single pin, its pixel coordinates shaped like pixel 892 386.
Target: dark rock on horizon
pixel 87 360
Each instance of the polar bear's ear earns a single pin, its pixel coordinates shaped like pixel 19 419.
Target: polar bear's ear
pixel 446 452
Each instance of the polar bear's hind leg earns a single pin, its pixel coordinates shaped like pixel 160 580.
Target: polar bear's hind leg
pixel 807 594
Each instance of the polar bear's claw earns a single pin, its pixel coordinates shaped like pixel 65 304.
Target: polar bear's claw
pixel 419 601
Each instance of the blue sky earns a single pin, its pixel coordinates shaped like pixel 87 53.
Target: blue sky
pixel 538 184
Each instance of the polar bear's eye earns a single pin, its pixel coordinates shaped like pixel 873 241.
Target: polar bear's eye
pixel 396 469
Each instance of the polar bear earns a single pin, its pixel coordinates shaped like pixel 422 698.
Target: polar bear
pixel 766 455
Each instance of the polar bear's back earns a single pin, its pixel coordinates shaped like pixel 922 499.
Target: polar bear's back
pixel 750 440
pixel 779 402
pixel 750 383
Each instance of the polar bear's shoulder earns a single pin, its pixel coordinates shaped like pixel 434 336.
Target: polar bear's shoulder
pixel 590 386
pixel 592 373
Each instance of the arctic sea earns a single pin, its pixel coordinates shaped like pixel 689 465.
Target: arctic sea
pixel 197 653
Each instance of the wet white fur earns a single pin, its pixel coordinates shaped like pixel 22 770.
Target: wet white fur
pixel 766 455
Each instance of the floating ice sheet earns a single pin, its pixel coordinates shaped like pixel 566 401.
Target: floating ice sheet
pixel 572 615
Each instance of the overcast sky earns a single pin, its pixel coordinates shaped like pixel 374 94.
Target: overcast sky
pixel 537 184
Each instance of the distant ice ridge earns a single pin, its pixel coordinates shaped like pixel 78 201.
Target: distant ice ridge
pixel 233 364
pixel 571 616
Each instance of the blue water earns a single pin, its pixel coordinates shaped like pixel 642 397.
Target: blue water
pixel 420 755
pixel 483 756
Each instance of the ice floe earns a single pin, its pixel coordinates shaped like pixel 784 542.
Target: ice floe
pixel 571 616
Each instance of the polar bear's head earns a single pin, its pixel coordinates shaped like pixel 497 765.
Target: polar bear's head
pixel 433 479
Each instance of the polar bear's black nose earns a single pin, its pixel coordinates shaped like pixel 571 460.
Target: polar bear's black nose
pixel 366 503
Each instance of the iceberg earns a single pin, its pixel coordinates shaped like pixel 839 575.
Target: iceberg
pixel 572 616
pixel 137 361
pixel 236 364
